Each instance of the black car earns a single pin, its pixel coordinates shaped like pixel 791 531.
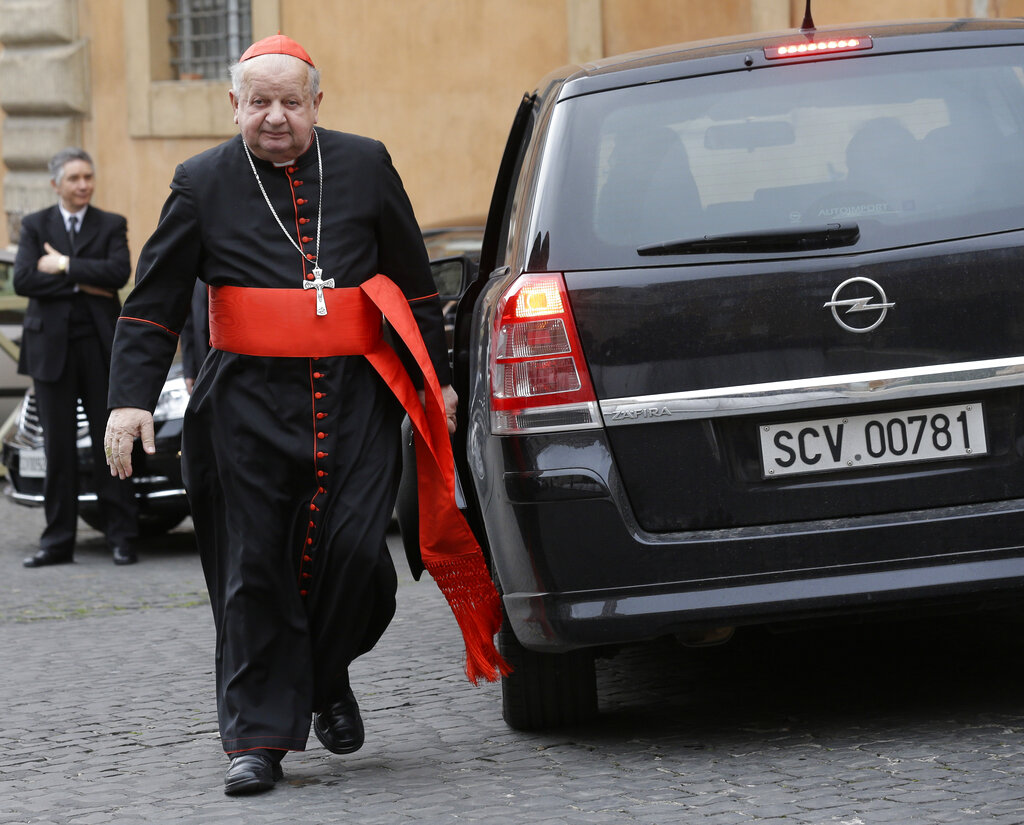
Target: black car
pixel 157 478
pixel 746 344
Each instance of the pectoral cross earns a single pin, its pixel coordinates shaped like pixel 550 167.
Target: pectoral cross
pixel 319 285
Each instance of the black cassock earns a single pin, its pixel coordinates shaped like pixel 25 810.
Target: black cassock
pixel 291 464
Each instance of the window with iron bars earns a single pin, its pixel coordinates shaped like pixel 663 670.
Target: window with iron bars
pixel 207 36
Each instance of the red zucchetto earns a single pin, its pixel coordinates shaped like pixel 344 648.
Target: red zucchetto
pixel 277 44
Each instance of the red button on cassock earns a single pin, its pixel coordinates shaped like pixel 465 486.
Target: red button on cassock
pixel 301 201
pixel 321 435
pixel 306 239
pixel 296 183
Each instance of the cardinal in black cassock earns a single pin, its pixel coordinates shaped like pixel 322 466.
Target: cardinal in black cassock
pixel 290 450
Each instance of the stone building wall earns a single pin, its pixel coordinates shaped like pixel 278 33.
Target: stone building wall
pixel 437 80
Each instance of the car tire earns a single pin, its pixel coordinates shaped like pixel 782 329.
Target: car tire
pixel 546 690
pixel 150 526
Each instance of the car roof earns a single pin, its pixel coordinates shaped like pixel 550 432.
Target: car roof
pixel 748 51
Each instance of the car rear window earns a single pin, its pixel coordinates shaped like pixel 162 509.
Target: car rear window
pixel 914 148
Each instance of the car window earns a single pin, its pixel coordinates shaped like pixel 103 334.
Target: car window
pixel 914 148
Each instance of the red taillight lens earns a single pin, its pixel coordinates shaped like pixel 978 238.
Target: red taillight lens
pixel 539 380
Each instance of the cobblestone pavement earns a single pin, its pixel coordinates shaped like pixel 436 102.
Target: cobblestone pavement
pixel 107 716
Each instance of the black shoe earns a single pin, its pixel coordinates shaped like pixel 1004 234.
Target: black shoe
pixel 339 727
pixel 46 556
pixel 123 554
pixel 251 773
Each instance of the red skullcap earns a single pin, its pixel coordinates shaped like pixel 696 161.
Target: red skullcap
pixel 277 44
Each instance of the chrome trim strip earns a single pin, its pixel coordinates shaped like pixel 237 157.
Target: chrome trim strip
pixel 27 499
pixel 799 394
pixel 152 494
pixel 177 493
pixel 30 500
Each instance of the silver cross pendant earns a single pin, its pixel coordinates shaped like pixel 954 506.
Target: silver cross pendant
pixel 319 285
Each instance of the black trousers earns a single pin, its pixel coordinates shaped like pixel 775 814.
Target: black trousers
pixel 85 376
pixel 292 532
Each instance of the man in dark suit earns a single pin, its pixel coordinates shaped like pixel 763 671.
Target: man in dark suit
pixel 72 258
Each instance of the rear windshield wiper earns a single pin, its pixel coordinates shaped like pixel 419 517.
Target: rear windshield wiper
pixel 789 239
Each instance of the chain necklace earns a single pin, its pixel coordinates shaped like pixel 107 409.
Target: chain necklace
pixel 317 283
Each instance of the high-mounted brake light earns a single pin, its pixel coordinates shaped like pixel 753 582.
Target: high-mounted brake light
pixel 539 380
pixel 810 48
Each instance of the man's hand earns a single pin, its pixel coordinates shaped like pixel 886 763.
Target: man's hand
pixel 53 262
pixel 96 290
pixel 451 404
pixel 123 426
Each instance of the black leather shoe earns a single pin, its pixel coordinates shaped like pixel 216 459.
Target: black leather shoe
pixel 123 554
pixel 340 727
pixel 251 773
pixel 44 557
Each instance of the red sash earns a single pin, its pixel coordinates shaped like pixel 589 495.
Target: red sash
pixel 240 319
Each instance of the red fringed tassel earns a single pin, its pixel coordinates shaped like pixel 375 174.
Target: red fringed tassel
pixel 450 551
pixel 470 593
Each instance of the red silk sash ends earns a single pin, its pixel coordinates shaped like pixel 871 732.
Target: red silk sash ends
pixel 283 323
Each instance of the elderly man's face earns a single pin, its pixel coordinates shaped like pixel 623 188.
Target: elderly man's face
pixel 275 112
pixel 76 185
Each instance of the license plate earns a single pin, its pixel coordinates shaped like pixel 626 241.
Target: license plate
pixel 32 464
pixel 855 441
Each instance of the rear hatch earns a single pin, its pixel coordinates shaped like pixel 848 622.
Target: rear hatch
pixel 798 289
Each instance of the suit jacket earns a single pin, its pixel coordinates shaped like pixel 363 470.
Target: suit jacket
pixel 101 258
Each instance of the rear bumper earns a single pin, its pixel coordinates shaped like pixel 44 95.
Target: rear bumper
pixel 576 568
pixel 564 621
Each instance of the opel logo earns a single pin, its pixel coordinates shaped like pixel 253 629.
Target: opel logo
pixel 864 295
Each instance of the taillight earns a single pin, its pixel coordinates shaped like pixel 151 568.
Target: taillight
pixel 809 47
pixel 539 380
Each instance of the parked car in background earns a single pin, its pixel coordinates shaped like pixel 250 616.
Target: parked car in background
pixel 745 346
pixel 459 236
pixel 157 478
pixel 12 313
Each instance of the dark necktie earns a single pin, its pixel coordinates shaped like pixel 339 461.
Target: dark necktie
pixel 72 231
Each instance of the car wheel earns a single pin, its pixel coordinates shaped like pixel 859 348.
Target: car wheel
pixel 546 690
pixel 150 526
